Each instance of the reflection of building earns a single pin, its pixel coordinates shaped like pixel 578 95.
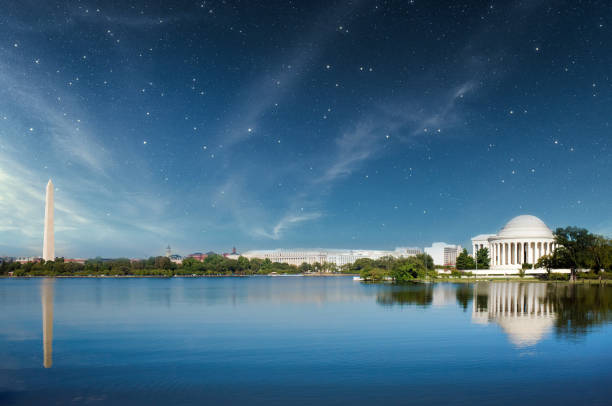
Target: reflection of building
pixel 522 310
pixel 47 317
pixel 443 253
pixel 338 257
pixel 523 240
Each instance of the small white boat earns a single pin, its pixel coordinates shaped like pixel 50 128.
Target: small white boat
pixel 357 278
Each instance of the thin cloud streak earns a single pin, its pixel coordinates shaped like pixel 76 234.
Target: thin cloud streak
pixel 365 142
pixel 269 89
pixel 67 134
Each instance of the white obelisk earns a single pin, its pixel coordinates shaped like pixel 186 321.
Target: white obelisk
pixel 49 239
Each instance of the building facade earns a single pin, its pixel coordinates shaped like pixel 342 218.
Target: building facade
pixel 337 257
pixel 523 240
pixel 443 254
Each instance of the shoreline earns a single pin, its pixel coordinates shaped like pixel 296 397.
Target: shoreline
pixel 169 277
pixel 324 275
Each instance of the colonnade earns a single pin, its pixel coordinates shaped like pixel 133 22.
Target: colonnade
pixel 516 252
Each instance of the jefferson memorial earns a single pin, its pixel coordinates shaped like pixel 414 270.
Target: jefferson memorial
pixel 523 240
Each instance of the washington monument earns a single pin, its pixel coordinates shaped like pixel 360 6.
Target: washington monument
pixel 49 239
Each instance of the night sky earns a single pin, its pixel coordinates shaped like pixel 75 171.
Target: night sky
pixel 275 124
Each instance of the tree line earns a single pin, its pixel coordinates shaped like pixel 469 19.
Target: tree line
pixel 579 249
pixel 212 265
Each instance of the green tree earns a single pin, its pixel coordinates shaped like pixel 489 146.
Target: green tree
pixel 426 260
pixel 575 244
pixel 600 253
pixel 465 261
pixel 547 262
pixel 373 274
pixel 243 264
pixel 482 258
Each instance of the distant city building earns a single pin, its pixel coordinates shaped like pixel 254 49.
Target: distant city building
pixel 168 251
pixel 23 260
pixel 7 259
pixel 197 255
pixel 75 260
pixel 292 257
pixel 337 257
pixel 523 240
pixel 232 255
pixel 177 259
pixel 450 255
pixel 443 254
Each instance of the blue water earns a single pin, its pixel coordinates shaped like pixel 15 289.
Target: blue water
pixel 302 340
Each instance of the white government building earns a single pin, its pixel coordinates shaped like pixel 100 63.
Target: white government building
pixel 338 257
pixel 523 240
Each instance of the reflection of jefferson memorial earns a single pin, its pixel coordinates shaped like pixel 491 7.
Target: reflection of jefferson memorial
pixel 523 240
pixel 522 310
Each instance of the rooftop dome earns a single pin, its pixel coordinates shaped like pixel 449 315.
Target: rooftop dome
pixel 525 226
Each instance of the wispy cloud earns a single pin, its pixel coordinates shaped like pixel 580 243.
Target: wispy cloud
pixel 285 223
pixel 68 133
pixel 352 148
pixel 404 120
pixel 268 89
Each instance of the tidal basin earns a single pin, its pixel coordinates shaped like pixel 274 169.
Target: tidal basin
pixel 302 340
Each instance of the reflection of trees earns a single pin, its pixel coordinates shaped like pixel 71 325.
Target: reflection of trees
pixel 579 308
pixel 420 295
pixel 464 293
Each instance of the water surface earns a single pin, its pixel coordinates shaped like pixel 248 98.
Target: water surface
pixel 302 340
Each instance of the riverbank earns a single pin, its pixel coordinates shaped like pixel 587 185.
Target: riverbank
pixel 327 275
pixel 465 280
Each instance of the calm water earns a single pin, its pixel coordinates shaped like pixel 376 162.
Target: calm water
pixel 302 340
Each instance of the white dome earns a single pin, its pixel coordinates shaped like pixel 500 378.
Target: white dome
pixel 525 226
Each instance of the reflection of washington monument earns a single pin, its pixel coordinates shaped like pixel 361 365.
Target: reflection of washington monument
pixel 47 311
pixel 522 310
